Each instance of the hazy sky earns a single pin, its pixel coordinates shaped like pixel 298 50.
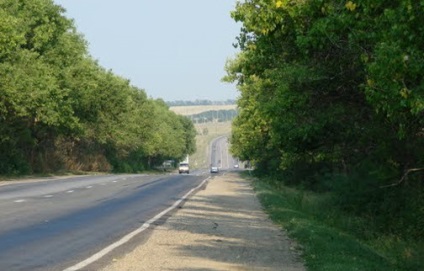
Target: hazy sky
pixel 174 50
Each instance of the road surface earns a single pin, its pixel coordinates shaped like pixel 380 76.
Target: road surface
pixel 53 225
pixel 220 155
pixel 222 227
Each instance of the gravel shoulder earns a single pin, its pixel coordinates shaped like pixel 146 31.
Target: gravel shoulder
pixel 221 227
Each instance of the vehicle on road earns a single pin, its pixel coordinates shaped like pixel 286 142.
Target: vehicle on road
pixel 184 168
pixel 214 169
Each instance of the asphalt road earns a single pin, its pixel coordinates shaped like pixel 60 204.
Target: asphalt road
pixel 52 225
pixel 220 155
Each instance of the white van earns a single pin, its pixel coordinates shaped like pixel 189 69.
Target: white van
pixel 184 168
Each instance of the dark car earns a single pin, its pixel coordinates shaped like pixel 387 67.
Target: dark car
pixel 214 169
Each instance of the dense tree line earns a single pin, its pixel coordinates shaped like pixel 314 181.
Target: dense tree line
pixel 59 110
pixel 332 99
pixel 214 115
pixel 200 102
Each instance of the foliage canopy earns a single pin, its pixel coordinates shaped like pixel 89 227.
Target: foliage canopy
pixel 332 98
pixel 59 110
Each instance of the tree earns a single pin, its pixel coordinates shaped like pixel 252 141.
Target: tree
pixel 330 89
pixel 60 110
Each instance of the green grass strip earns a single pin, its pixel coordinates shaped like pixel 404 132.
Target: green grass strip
pixel 324 248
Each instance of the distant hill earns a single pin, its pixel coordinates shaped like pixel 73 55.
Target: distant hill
pixel 200 102
pixel 198 109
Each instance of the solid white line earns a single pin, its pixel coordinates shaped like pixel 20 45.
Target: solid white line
pixel 129 236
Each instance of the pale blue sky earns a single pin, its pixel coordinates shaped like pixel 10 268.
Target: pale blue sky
pixel 174 50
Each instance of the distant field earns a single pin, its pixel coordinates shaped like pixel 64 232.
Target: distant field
pixel 197 109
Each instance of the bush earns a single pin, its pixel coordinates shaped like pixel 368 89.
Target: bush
pixel 12 162
pixel 394 210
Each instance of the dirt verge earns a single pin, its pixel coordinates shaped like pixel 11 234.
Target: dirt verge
pixel 220 228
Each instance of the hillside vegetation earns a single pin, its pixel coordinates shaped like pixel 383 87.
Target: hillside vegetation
pixel 189 110
pixel 199 102
pixel 59 110
pixel 332 101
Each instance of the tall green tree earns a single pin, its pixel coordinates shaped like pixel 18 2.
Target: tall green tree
pixel 60 110
pixel 330 89
pixel 32 103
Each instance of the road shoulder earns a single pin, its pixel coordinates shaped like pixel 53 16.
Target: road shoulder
pixel 221 227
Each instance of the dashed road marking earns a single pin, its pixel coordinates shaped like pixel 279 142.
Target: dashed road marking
pixel 88 187
pixel 70 191
pixel 48 196
pixel 19 200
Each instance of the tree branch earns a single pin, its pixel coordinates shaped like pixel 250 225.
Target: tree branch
pixel 403 177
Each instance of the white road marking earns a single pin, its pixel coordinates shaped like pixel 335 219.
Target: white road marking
pixel 48 196
pixel 19 200
pixel 131 235
pixel 88 187
pixel 70 191
pixel 115 181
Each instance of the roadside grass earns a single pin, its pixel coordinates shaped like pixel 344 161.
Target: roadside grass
pixel 200 158
pixel 333 241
